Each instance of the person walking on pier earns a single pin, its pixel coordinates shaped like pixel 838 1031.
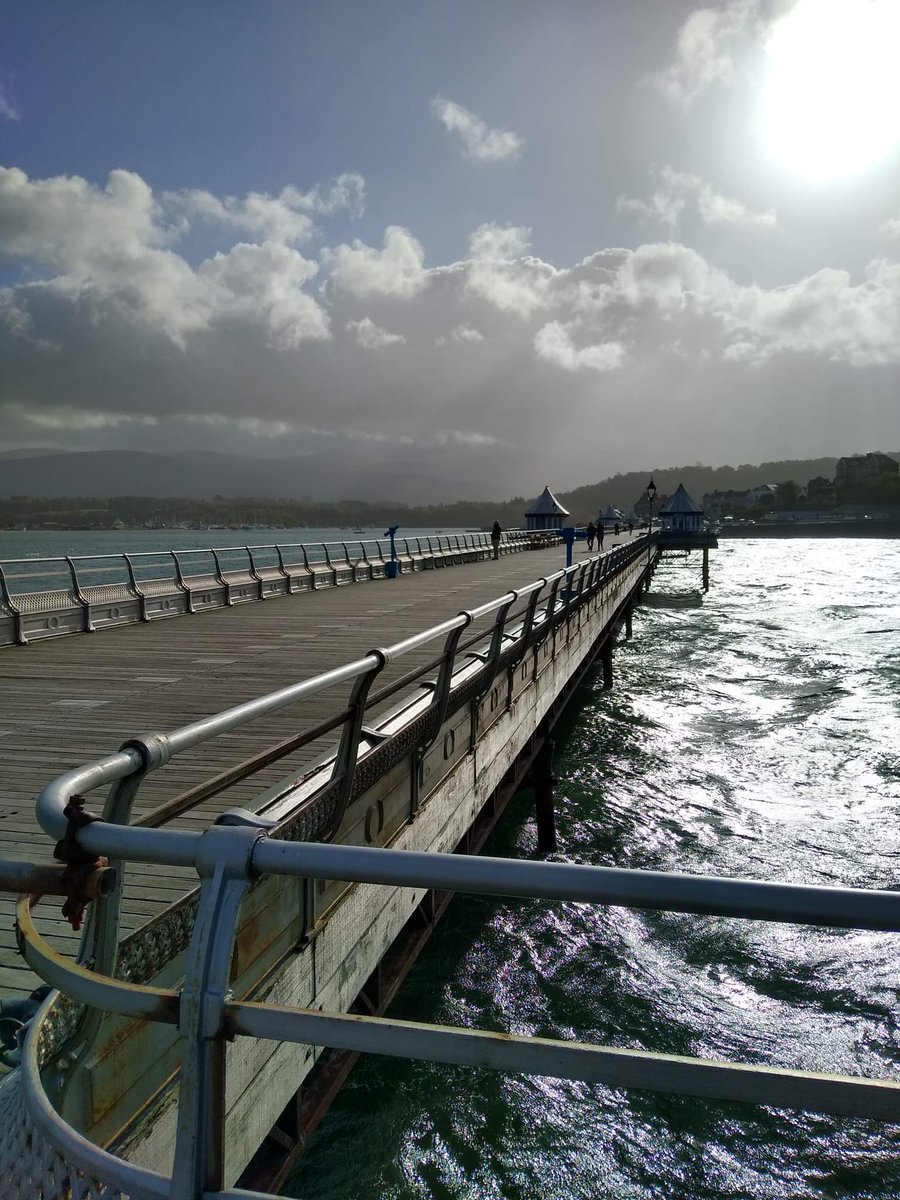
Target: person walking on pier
pixel 495 539
pixel 600 532
pixel 590 533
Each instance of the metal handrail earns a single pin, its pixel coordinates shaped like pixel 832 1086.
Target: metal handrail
pixel 55 796
pixel 229 859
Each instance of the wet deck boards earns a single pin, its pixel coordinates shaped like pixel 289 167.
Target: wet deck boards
pixel 68 700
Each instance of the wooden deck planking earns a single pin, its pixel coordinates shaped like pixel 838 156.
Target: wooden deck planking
pixel 158 676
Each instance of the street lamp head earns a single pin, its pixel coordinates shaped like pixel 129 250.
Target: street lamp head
pixel 651 491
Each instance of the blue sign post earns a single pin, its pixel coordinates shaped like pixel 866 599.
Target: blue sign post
pixel 568 536
pixel 392 569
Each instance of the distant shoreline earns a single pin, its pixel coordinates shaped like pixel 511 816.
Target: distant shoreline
pixel 812 529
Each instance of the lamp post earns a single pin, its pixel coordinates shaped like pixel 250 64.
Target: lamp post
pixel 651 496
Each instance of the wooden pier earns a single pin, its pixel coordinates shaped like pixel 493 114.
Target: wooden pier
pixel 446 737
pixel 65 701
pixel 170 1059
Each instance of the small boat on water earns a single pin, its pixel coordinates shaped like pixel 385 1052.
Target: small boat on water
pixel 358 529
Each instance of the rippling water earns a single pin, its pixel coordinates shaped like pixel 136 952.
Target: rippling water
pixel 755 736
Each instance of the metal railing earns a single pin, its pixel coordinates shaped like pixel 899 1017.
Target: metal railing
pixel 46 597
pixel 230 860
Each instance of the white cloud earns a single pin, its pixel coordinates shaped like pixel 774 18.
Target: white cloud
pixel 397 270
pixel 503 349
pixel 261 285
pixel 480 143
pixel 272 218
pixel 706 47
pixel 465 334
pixel 554 344
pixel 371 336
pixel 282 218
pixel 499 273
pixel 110 254
pixel 8 107
pixel 505 242
pixel 675 188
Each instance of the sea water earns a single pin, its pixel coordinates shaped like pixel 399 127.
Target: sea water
pixel 757 736
pixel 55 543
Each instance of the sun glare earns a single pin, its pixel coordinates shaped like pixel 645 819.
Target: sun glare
pixel 832 101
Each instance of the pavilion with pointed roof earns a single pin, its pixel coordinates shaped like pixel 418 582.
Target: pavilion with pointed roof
pixel 546 512
pixel 681 513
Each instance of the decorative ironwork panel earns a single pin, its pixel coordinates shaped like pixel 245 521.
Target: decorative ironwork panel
pixel 144 953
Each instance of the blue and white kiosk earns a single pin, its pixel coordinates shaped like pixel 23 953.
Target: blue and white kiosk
pixel 681 527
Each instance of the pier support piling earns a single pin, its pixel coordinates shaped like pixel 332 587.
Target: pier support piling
pixel 706 568
pixel 628 622
pixel 606 661
pixel 543 782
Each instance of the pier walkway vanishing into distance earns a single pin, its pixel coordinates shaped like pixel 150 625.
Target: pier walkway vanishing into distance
pixel 170 1059
pixel 67 700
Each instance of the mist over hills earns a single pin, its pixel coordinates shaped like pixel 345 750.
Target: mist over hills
pixel 369 475
pixel 325 476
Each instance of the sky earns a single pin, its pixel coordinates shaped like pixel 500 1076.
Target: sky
pixel 515 244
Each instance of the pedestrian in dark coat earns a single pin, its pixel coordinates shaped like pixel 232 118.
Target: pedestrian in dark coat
pixel 496 532
pixel 591 533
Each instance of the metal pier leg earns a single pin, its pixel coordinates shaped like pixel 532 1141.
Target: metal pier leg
pixel 628 621
pixel 706 568
pixel 606 656
pixel 543 781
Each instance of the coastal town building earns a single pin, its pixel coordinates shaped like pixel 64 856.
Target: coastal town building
pixel 546 512
pixel 726 503
pixel 863 468
pixel 820 488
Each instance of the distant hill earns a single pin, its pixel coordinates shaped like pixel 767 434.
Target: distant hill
pixel 623 490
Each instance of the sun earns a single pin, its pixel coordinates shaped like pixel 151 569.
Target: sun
pixel 832 101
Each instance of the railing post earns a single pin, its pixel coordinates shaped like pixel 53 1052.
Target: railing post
pixel 344 770
pixel 312 575
pixel 441 700
pixel 80 596
pixel 350 566
pixel 284 571
pixel 13 607
pixel 332 568
pixel 181 582
pixel 492 660
pixel 135 587
pixel 254 574
pixel 222 580
pixel 552 610
pixel 224 863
